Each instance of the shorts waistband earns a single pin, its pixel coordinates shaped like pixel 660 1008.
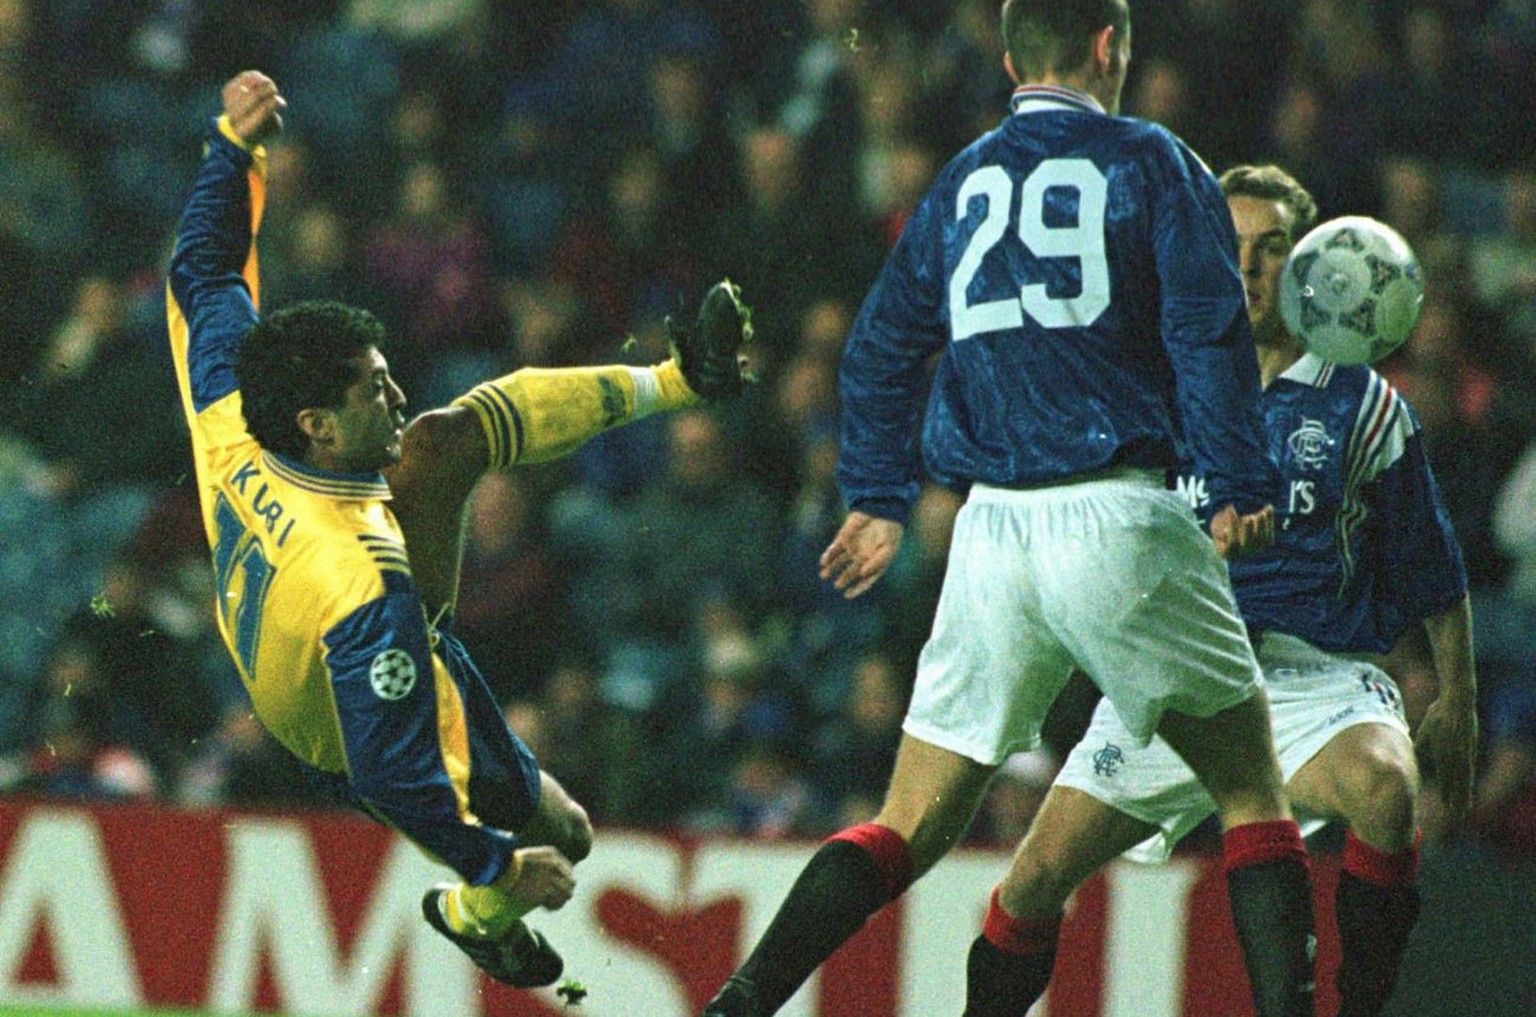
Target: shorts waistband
pixel 1278 649
pixel 1131 476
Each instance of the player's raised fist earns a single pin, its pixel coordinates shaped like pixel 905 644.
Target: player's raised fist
pixel 254 107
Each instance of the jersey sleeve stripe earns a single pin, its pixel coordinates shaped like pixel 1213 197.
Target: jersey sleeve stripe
pixel 511 419
pixel 492 423
pixel 1386 437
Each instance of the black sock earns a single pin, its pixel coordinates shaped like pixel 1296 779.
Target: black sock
pixel 839 889
pixel 1001 984
pixel 1374 923
pixel 1272 909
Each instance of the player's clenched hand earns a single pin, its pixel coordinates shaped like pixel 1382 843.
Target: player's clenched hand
pixel 1447 745
pixel 254 107
pixel 544 878
pixel 1236 536
pixel 860 553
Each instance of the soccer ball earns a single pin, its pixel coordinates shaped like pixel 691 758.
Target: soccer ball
pixel 1351 290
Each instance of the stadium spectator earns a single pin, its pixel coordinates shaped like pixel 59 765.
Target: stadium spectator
pixel 513 605
pixel 1504 810
pixel 853 750
pixel 1502 266
pixel 428 266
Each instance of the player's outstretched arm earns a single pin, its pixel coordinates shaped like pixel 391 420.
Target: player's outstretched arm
pixel 1447 737
pixel 213 274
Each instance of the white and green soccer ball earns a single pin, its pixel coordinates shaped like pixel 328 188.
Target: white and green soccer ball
pixel 1351 290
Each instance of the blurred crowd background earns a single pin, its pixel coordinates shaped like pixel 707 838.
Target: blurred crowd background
pixel 513 184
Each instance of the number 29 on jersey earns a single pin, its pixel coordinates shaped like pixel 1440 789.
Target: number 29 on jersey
pixel 1082 241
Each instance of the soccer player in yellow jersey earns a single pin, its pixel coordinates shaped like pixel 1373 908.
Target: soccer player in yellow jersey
pixel 336 530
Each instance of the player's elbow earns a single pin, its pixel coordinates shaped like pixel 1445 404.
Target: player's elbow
pixel 576 837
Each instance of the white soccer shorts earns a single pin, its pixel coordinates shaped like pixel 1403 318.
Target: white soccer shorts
pixel 1313 696
pixel 1112 576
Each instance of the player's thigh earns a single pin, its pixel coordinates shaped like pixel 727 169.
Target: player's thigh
pixel 1342 738
pixel 1232 753
pixel 1072 836
pixel 1366 776
pixel 1142 601
pixel 932 797
pixel 991 667
pixel 442 457
pixel 1151 785
pixel 506 787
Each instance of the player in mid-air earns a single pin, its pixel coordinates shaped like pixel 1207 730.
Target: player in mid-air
pixel 1363 553
pixel 336 530
pixel 1075 272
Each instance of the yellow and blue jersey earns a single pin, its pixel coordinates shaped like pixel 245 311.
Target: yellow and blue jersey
pixel 315 597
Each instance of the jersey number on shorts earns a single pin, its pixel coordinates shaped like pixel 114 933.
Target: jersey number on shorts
pixel 1084 241
pixel 234 548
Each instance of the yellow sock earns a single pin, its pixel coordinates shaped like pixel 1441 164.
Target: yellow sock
pixel 483 912
pixel 537 414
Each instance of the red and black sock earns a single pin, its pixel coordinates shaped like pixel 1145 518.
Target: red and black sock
pixel 854 874
pixel 1377 906
pixel 1270 891
pixel 1010 963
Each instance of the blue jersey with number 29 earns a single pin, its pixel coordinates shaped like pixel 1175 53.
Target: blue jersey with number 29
pixel 1076 273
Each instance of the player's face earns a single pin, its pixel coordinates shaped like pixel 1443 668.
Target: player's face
pixel 370 424
pixel 1263 241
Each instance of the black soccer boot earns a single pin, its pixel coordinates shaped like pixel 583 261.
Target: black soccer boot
pixel 736 998
pixel 709 350
pixel 522 958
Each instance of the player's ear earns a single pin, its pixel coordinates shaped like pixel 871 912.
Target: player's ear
pixel 318 424
pixel 1106 50
pixel 1013 75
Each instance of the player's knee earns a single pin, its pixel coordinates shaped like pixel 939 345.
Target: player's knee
pixel 576 833
pixel 1381 788
pixel 445 439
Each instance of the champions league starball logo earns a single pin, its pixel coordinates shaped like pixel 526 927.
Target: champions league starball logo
pixel 393 674
pixel 1309 444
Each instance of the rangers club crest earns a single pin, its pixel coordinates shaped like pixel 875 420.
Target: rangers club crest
pixel 1309 444
pixel 1107 760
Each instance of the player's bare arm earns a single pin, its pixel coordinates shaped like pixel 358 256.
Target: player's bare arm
pixel 254 107
pixel 863 549
pixel 1447 736
pixel 1238 535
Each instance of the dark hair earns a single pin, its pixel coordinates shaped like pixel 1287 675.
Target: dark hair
pixel 1271 183
pixel 1053 36
pixel 299 358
